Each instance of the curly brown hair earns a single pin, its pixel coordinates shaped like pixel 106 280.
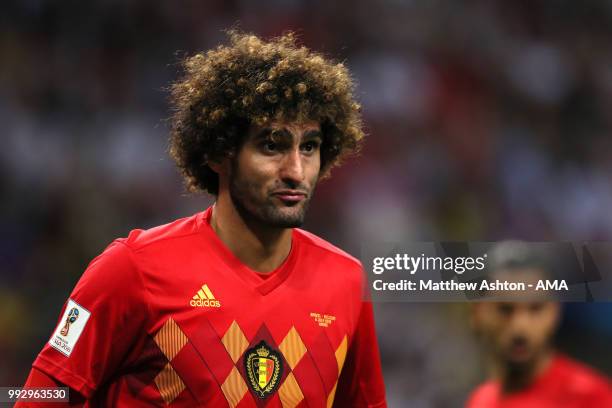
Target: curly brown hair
pixel 253 82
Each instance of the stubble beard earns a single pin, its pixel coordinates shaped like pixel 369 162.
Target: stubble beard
pixel 519 374
pixel 264 210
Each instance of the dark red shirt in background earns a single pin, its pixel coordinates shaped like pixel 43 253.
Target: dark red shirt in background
pixel 565 384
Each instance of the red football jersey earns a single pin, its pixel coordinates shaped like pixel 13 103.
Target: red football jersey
pixel 170 317
pixel 565 384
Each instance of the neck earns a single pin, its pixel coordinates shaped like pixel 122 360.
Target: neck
pixel 261 247
pixel 515 377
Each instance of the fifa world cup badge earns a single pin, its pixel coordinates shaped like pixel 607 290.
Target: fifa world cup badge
pixel 69 328
pixel 72 316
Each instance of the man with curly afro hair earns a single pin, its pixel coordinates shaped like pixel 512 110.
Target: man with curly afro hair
pixel 234 306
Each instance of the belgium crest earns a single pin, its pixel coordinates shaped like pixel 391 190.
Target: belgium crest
pixel 264 369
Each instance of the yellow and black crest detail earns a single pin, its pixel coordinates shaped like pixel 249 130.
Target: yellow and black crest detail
pixel 264 369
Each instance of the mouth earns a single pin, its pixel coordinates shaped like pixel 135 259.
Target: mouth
pixel 519 349
pixel 290 197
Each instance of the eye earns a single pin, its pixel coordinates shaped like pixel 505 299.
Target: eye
pixel 536 307
pixel 505 309
pixel 310 147
pixel 269 146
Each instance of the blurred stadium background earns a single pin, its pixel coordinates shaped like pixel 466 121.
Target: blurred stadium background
pixel 486 119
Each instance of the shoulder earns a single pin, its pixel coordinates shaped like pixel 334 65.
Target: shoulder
pixel 121 259
pixel 319 246
pixel 484 395
pixel 582 379
pixel 183 228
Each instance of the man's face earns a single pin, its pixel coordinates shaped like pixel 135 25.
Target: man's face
pixel 518 333
pixel 274 173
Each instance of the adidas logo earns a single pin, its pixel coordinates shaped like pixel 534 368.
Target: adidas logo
pixel 204 298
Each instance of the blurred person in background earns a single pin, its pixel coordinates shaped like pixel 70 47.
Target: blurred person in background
pixel 234 306
pixel 526 371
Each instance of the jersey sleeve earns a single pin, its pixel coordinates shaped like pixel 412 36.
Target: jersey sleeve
pixel 100 324
pixel 483 396
pixel 38 379
pixel 361 381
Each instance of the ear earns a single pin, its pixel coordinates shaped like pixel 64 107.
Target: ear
pixel 557 313
pixel 221 166
pixel 215 166
pixel 475 315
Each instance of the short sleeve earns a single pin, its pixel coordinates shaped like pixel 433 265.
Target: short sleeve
pixel 100 324
pixel 361 381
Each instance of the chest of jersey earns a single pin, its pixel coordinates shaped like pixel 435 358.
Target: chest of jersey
pixel 226 337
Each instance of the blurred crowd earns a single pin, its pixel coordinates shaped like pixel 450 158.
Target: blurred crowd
pixel 486 120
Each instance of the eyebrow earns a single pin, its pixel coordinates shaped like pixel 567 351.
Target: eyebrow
pixel 312 134
pixel 264 133
pixel 283 132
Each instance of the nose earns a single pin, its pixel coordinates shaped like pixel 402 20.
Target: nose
pixel 520 321
pixel 292 168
